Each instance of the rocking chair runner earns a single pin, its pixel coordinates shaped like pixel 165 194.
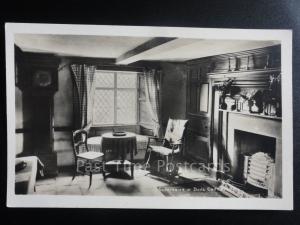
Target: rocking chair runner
pixel 81 152
pixel 171 146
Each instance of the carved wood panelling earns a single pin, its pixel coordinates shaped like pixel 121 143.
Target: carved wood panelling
pixel 199 125
pixel 196 147
pixel 240 61
pixel 251 78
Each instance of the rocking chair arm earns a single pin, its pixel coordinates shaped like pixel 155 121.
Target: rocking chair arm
pixel 174 146
pixel 176 143
pixel 154 138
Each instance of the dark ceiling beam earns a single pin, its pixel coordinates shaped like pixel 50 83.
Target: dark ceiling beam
pixel 127 57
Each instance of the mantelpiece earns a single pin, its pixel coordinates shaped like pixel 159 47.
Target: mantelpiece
pixel 253 114
pixel 246 82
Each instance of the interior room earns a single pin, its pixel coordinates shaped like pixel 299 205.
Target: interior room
pixel 147 116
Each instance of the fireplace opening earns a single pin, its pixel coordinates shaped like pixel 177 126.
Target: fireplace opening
pixel 247 144
pixel 259 148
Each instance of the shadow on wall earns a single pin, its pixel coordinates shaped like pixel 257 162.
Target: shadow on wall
pixel 173 91
pixel 63 115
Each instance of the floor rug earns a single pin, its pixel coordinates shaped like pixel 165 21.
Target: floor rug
pixel 177 180
pixel 190 189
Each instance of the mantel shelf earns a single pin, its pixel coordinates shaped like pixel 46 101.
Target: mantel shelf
pixel 253 114
pixel 243 73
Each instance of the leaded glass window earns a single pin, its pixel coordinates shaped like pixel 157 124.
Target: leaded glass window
pixel 115 98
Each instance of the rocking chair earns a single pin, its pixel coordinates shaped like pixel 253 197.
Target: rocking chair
pixel 160 159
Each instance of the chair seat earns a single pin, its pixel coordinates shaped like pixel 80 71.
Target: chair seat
pixel 163 150
pixel 90 155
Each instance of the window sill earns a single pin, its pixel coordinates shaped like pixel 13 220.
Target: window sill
pixel 113 125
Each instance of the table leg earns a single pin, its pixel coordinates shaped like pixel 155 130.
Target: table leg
pixel 75 170
pixel 103 170
pixel 132 171
pixel 91 176
pixel 132 163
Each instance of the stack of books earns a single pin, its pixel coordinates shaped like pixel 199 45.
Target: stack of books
pixel 231 191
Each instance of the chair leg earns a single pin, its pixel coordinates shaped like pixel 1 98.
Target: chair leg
pixel 169 169
pixel 167 163
pixel 103 174
pixel 91 176
pixel 103 170
pixel 75 171
pixel 74 175
pixel 173 172
pixel 147 157
pixel 132 171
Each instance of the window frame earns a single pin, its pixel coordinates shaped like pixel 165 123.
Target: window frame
pixel 115 90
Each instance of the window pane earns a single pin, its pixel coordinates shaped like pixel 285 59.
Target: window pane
pixel 126 80
pixel 104 79
pixel 126 106
pixel 103 107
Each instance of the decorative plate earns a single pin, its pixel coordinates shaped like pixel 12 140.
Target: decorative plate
pixel 119 133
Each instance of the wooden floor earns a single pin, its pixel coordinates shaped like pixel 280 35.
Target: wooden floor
pixel 144 184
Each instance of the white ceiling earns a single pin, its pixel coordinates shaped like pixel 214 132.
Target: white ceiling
pixel 185 49
pixel 78 45
pixel 180 49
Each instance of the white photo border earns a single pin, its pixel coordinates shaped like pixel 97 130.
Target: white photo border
pixel 63 201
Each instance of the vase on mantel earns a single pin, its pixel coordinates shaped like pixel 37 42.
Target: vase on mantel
pixel 271 108
pixel 254 108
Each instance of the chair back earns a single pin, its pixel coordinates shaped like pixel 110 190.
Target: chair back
pixel 80 141
pixel 175 130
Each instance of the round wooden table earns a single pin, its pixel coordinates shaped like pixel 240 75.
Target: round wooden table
pixel 116 149
pixel 118 146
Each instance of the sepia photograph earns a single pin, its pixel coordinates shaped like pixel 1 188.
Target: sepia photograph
pixel 149 117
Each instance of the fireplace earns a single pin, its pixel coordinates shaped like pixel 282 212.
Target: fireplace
pixel 246 119
pixel 247 135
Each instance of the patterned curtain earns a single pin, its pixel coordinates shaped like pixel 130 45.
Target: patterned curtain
pixel 152 89
pixel 89 72
pixel 83 77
